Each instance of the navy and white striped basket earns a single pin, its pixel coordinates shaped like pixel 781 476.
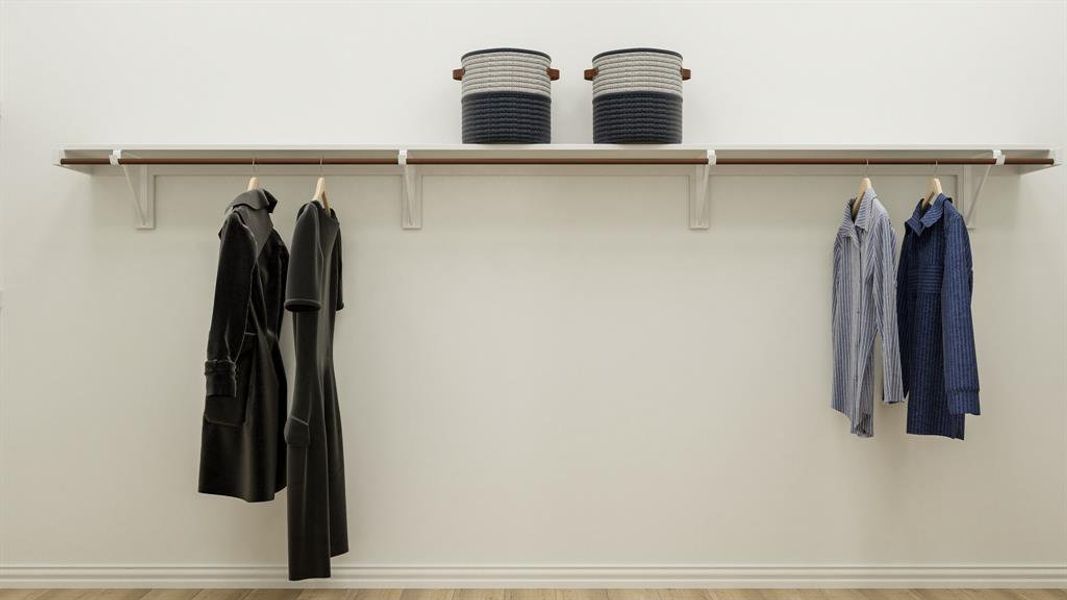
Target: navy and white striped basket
pixel 507 96
pixel 637 96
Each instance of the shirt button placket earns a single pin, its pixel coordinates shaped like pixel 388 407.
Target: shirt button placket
pixel 857 266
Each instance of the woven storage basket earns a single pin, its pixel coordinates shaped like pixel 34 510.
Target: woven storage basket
pixel 507 96
pixel 637 96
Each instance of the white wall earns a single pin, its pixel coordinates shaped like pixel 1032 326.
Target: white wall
pixel 555 372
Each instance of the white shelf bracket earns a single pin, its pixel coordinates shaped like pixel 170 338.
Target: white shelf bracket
pixel 411 193
pixel 142 186
pixel 974 196
pixel 699 195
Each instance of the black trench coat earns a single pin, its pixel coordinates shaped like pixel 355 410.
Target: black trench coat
pixel 318 527
pixel 242 450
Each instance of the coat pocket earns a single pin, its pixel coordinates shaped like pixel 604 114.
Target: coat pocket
pixel 297 433
pixel 225 410
pixel 297 439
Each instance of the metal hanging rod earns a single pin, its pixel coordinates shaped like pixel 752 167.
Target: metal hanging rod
pixel 727 161
pixel 234 160
pixel 415 160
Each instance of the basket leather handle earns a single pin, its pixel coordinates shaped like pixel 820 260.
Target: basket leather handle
pixel 553 74
pixel 590 74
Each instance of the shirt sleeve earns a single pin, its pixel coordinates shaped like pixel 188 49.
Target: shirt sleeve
pixel 233 284
pixel 957 333
pixel 904 313
pixel 835 266
pixel 303 286
pixel 886 305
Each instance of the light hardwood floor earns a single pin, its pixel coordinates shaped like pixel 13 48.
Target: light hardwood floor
pixel 529 594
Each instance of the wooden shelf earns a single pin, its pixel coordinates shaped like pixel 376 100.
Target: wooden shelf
pixel 87 157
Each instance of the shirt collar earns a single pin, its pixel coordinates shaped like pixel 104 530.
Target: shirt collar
pixel 921 221
pixel 257 199
pixel 863 216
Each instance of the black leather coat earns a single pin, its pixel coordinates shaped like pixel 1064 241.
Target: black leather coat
pixel 242 449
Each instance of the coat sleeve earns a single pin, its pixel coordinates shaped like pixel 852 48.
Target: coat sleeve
pixel 303 294
pixel 303 286
pixel 338 282
pixel 885 290
pixel 233 284
pixel 957 329
pixel 904 314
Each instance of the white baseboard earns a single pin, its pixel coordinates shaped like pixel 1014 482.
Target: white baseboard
pixel 556 576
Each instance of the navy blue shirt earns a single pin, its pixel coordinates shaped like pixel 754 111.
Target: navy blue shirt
pixel 934 283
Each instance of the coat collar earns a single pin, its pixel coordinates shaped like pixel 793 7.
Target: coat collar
pixel 863 217
pixel 257 199
pixel 922 220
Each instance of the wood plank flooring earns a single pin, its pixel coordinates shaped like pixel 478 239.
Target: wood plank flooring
pixel 532 594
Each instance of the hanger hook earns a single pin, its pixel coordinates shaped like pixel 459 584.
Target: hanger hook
pixel 866 167
pixel 253 164
pixel 936 165
pixel 322 160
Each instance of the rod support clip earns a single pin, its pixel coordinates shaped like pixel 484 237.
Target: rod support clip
pixel 142 185
pixel 699 210
pixel 411 192
pixel 972 201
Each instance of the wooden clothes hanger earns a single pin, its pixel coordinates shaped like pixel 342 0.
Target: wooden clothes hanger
pixel 933 190
pixel 253 181
pixel 865 184
pixel 320 193
pixel 320 188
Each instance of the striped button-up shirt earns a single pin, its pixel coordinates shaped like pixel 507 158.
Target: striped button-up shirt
pixel 864 303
